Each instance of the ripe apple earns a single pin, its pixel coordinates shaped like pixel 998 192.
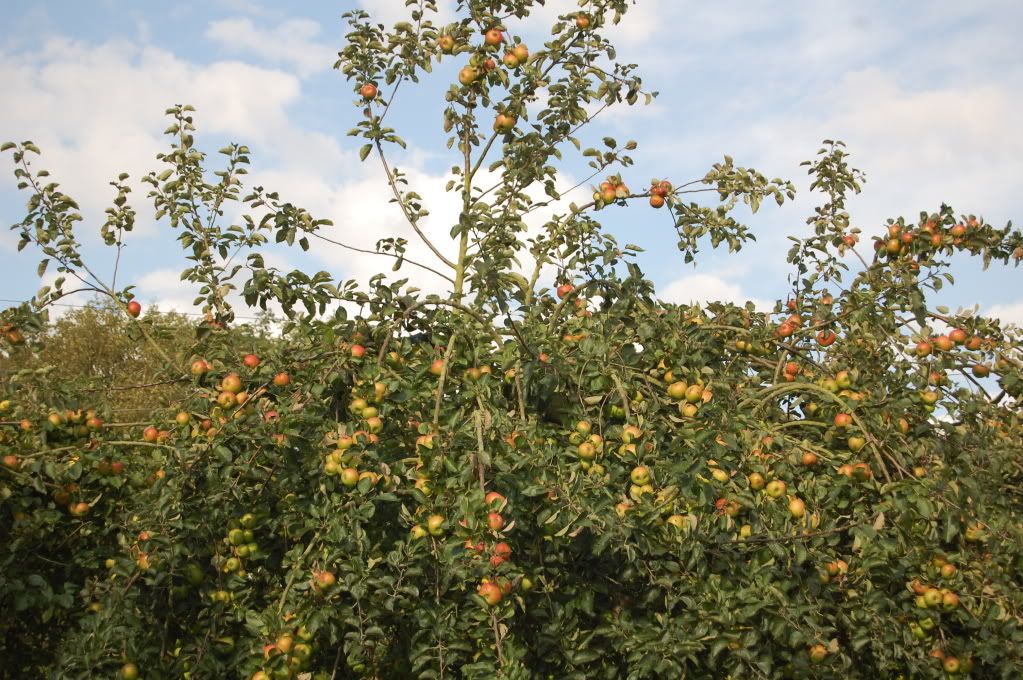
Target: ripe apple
pixel 130 671
pixel 958 336
pixel 808 458
pixel 495 500
pixel 493 37
pixel 504 122
pixel 640 475
pixel 79 509
pixel 435 525
pixel 818 653
pixel 826 338
pixel 694 394
pixel 564 289
pixel 856 443
pixel 677 390
pixel 951 664
pixel 932 597
pixel 150 434
pixel 949 600
pixel 357 351
pixel 446 44
pixel 495 521
pixel 418 532
pixel 134 309
pixel 677 521
pixel 582 22
pixel 923 348
pixel 944 343
pixel 929 396
pixel 491 593
pixel 368 91
pixel 232 382
pixel 719 475
pixel 797 507
pixel 11 461
pixel 657 202
pixel 324 579
pixel 467 76
pixel 775 488
pixel 349 476
pixel 981 370
pixel 437 367
pixel 756 481
pixel 250 360
pixel 862 472
pixel 521 53
pixel 199 367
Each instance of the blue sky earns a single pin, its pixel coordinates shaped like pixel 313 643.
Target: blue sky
pixel 926 95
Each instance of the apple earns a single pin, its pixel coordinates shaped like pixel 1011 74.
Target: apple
pixel 981 370
pixel 357 351
pixel 349 476
pixel 199 367
pixel 861 472
pixel 657 202
pixel 11 461
pixel 694 394
pixel 775 488
pixel 719 475
pixel 677 521
pixel 435 525
pixel 929 396
pixel 182 418
pixel 493 37
pixel 79 509
pixel 818 653
pixel 582 22
pixel 467 76
pixel 949 600
pixel 232 382
pixel 324 579
pixel 368 91
pixel 843 420
pixel 446 44
pixel 130 671
pixel 958 336
pixel 856 443
pixel 932 597
pixel 521 53
pixel 491 593
pixel 504 122
pixel 756 481
pixel 797 507
pixel 677 390
pixel 631 433
pixel 943 342
pixel 134 309
pixel 948 570
pixel 495 521
pixel 923 348
pixel 951 664
pixel 150 434
pixel 640 475
pixel 495 500
pixel 564 289
pixel 826 338
pixel 808 458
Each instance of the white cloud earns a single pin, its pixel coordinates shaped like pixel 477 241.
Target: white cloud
pixel 703 288
pixel 1011 313
pixel 292 42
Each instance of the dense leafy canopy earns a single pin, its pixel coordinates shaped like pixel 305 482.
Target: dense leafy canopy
pixel 509 480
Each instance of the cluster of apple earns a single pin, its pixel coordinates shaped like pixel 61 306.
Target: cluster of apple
pixel 689 396
pixel 290 652
pixel 776 488
pixel 836 570
pixel 482 62
pixel 957 337
pixel 659 191
pixel 62 425
pixel 242 540
pixel 900 239
pixel 610 190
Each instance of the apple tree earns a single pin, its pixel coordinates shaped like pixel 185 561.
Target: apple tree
pixel 545 472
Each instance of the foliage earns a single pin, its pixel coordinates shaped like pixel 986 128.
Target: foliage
pixel 511 481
